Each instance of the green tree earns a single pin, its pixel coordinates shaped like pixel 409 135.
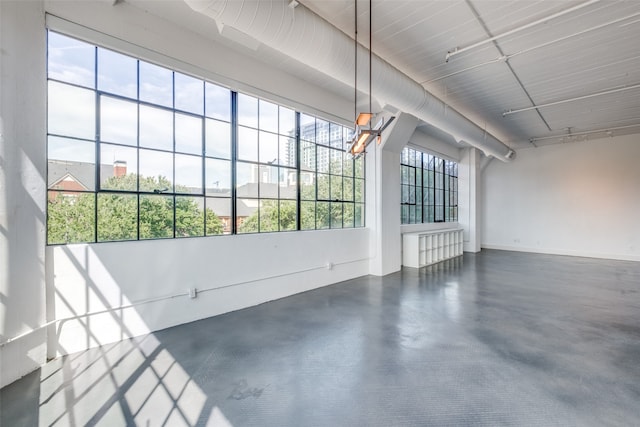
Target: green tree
pixel 71 217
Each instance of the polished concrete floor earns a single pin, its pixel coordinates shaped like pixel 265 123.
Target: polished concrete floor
pixel 497 338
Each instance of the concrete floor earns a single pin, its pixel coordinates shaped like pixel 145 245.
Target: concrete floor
pixel 498 338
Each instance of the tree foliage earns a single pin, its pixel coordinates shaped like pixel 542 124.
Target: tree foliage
pixel 72 216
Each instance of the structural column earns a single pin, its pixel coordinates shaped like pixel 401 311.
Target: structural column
pixel 469 198
pixel 383 196
pixel 22 188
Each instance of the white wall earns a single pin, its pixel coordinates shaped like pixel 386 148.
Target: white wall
pixel 229 273
pixel 578 198
pixel 22 187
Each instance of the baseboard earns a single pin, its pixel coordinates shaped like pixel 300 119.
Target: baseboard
pixel 585 254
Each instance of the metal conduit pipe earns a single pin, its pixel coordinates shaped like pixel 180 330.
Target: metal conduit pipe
pixel 313 41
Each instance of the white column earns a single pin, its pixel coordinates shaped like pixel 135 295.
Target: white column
pixel 383 196
pixel 469 198
pixel 22 187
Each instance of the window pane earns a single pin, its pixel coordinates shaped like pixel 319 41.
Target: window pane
pixel 287 122
pixel 347 168
pixel 268 147
pixel 322 159
pixel 189 94
pixel 118 168
pixel 359 215
pixel 359 167
pixel 188 174
pixel 71 111
pixel 156 217
pixel 347 189
pixel 322 215
pixel 307 128
pixel 118 121
pixel 247 215
pixel 288 187
pixel 189 216
pixel 217 102
pixel 307 156
pixel 247 110
pixel 359 190
pixel 335 135
pixel 188 134
pixel 70 217
pixel 218 139
pixel 322 132
pixel 347 218
pixel 156 84
pixel 268 116
pixel 156 128
pixel 117 217
pixel 405 194
pixel 247 144
pixel 71 164
pixel 336 215
pixel 71 60
pixel 323 187
pixel 307 215
pixel 218 177
pixel 288 215
pixel 247 179
pixel 218 216
pixel 336 187
pixel 269 216
pixel 156 171
pixel 404 214
pixel 287 153
pixel 307 185
pixel 268 181
pixel 117 73
pixel 335 162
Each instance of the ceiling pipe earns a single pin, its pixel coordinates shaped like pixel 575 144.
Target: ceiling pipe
pixel 505 58
pixel 577 98
pixel 315 42
pixel 608 131
pixel 458 51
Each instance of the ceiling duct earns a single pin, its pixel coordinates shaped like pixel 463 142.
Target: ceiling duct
pixel 303 35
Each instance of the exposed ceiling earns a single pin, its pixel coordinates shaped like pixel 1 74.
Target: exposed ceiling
pixel 581 57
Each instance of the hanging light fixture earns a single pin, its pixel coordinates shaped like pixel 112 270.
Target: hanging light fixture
pixel 364 133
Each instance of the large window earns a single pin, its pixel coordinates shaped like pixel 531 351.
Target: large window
pixel 429 188
pixel 139 151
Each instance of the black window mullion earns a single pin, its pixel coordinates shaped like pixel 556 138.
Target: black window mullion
pixel 96 185
pixel 234 158
pixel 298 165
